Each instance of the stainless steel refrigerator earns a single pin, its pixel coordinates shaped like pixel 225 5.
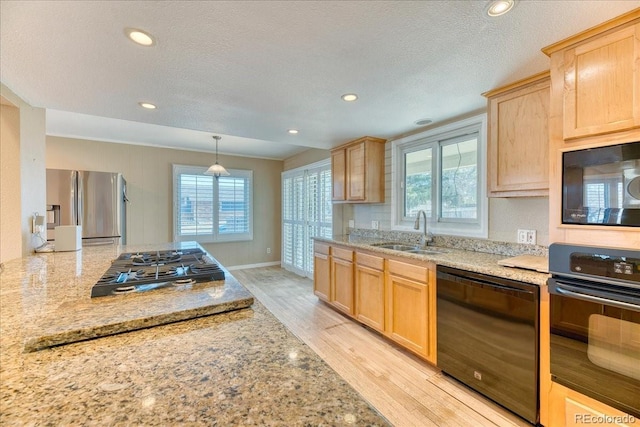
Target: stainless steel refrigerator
pixel 94 200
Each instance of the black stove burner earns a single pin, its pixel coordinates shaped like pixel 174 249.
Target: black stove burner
pixel 154 258
pixel 137 272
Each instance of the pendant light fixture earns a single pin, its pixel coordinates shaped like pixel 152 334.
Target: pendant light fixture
pixel 217 169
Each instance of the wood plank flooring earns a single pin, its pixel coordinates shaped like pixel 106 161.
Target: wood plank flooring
pixel 403 388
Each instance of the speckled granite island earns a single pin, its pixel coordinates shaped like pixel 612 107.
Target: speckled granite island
pixel 238 367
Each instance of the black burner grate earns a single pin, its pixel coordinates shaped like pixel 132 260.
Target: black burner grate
pixel 141 271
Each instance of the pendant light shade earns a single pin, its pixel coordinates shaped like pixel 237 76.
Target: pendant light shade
pixel 217 169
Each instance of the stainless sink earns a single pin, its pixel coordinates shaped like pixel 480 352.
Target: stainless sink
pixel 396 247
pixel 425 251
pixel 409 248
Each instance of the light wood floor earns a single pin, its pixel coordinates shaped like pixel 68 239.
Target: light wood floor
pixel 404 389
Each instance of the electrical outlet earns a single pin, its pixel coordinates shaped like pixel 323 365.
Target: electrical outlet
pixel 37 223
pixel 375 225
pixel 531 237
pixel 268 250
pixel 352 223
pixel 527 237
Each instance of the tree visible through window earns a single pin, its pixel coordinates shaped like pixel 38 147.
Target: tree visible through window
pixel 442 173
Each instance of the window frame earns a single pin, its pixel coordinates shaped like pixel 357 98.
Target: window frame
pixel 215 236
pixel 436 138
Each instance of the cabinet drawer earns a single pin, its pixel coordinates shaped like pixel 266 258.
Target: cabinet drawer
pixel 342 254
pixel 410 271
pixel 321 248
pixel 370 261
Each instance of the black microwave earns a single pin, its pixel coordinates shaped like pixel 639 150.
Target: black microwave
pixel 601 186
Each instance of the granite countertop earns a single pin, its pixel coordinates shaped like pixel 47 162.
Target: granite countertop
pixel 240 367
pixel 62 310
pixel 476 261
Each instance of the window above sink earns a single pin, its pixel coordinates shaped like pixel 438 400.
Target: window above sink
pixel 443 172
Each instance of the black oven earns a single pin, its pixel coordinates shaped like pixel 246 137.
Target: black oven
pixel 601 186
pixel 595 323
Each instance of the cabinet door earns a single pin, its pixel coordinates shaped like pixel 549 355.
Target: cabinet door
pixel 342 284
pixel 356 178
pixel 602 84
pixel 568 408
pixel 370 296
pixel 338 175
pixel 519 141
pixel 322 276
pixel 408 319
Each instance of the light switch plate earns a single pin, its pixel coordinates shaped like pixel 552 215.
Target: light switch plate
pixel 375 225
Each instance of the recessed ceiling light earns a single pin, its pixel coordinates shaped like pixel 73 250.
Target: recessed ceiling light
pixel 499 7
pixel 293 131
pixel 423 122
pixel 140 37
pixel 349 97
pixel 147 105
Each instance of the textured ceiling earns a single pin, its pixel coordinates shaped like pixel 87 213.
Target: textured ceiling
pixel 251 70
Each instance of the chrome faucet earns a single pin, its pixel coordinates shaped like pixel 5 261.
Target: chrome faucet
pixel 427 238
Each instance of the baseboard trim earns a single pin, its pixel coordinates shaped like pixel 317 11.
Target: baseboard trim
pixel 247 266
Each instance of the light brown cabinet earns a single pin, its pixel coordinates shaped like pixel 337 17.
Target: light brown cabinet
pixel 595 102
pixel 339 175
pixel 602 84
pixel 393 297
pixel 518 140
pixel 410 299
pixel 342 286
pixel 370 290
pixel 357 170
pixel 572 409
pixel 321 271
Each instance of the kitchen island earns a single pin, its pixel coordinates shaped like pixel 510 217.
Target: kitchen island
pixel 241 367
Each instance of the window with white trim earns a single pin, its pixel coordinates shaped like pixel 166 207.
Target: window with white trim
pixel 307 212
pixel 206 209
pixel 442 171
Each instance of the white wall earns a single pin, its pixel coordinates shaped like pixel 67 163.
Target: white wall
pixel 307 157
pixel 10 198
pixel 32 169
pixel 149 174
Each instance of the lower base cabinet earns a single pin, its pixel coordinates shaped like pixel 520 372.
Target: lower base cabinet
pixel 393 297
pixel 321 272
pixel 370 291
pixel 342 288
pixel 410 319
pixel 569 408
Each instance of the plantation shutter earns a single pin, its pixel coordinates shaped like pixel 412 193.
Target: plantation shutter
pixel 306 213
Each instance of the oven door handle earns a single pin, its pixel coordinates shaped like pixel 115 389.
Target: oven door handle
pixel 592 298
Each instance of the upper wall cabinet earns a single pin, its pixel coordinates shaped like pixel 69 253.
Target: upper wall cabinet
pixel 601 91
pixel 518 142
pixel 357 170
pixel 595 102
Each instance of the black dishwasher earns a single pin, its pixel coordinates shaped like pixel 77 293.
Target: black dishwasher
pixel 488 337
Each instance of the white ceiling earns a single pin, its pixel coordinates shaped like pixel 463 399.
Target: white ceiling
pixel 250 70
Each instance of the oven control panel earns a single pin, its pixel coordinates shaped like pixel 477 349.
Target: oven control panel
pixel 605 266
pixel 590 262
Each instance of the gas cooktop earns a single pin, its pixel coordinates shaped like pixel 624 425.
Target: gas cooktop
pixel 143 271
